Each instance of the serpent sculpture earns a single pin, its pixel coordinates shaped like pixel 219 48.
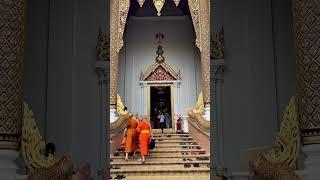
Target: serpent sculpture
pixel 279 162
pixel 119 125
pixel 39 166
pixel 196 118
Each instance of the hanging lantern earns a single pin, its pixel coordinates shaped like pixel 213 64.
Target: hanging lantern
pixel 176 2
pixel 158 4
pixel 141 2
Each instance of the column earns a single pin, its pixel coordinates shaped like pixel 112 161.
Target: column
pixel 205 53
pixel 102 68
pixel 119 11
pixel 114 58
pixel 217 68
pixel 307 38
pixel 11 63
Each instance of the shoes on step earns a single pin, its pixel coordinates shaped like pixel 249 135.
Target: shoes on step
pixel 187 165
pixel 196 165
pixel 120 177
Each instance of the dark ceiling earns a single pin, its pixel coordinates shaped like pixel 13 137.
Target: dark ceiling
pixel 148 9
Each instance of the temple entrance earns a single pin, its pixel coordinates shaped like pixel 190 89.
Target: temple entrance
pixel 161 103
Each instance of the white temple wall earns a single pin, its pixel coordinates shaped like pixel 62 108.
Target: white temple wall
pixel 140 52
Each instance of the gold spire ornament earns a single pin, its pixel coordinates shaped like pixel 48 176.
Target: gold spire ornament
pixel 158 4
pixel 176 2
pixel 141 2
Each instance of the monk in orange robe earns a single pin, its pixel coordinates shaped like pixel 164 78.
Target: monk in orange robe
pixel 131 133
pixel 144 130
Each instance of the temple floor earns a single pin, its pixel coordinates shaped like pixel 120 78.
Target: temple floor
pixel 176 156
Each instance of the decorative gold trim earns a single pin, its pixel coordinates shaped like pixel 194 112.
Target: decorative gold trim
pixel 200 13
pixel 217 46
pixel 200 10
pixel 199 109
pixel 141 2
pixel 158 4
pixel 120 107
pixel 119 11
pixel 281 159
pixel 165 66
pixel 33 146
pixel 176 2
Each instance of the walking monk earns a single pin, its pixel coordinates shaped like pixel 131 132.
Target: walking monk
pixel 144 129
pixel 131 141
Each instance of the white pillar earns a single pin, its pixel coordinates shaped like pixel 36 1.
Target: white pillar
pixel 185 125
pixel 113 116
pixel 8 167
pixel 312 162
pixel 207 113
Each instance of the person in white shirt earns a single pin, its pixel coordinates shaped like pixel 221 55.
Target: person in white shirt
pixel 161 118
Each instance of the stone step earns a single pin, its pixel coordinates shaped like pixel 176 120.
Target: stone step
pixel 168 177
pixel 176 146
pixel 173 138
pixel 170 134
pixel 170 156
pixel 169 150
pixel 175 141
pixel 151 162
pixel 160 169
pixel 161 159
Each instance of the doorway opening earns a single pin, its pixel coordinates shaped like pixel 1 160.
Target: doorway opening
pixel 160 101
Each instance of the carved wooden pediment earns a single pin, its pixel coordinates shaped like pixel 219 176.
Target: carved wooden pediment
pixel 160 72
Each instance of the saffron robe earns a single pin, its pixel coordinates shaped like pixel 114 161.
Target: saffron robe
pixel 144 129
pixel 132 140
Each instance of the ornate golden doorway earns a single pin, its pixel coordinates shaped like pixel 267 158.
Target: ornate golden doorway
pixel 200 13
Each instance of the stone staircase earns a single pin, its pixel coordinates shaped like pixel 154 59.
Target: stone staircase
pixel 176 156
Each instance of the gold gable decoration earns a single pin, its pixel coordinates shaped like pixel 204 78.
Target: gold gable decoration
pixel 33 147
pixel 280 160
pixel 167 71
pixel 160 70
